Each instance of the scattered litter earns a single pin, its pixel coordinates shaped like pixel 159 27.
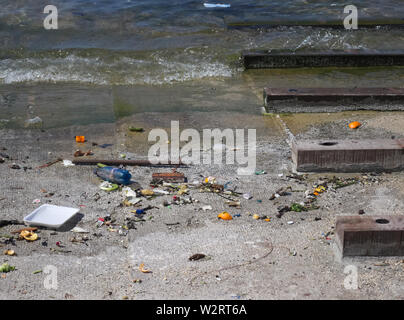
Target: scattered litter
pixel 361 211
pixel 36 201
pixel 235 204
pixel 247 196
pixel 196 257
pixel 114 175
pixel 9 252
pixel 296 207
pixel 79 230
pixel 210 180
pixel 208 207
pixel 143 269
pixel 37 271
pixel 28 235
pixel 135 129
pixel 34 122
pixel 256 217
pixel 290 222
pixel 48 164
pixel 80 153
pixel 108 186
pixel 259 172
pixel 160 191
pixel 225 216
pixel 354 124
pixel 5 267
pixel 50 216
pixel 146 192
pixel 80 139
pixel 68 163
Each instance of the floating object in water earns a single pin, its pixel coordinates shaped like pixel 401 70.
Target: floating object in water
pixel 216 5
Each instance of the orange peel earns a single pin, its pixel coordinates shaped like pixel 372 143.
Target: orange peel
pixel 225 216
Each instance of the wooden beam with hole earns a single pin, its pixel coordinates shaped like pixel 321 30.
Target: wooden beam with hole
pixel 375 155
pixel 370 235
pixel 265 59
pixel 320 99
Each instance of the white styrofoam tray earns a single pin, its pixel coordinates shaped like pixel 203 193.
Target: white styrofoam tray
pixel 49 215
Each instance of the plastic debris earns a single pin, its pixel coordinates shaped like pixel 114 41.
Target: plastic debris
pixel 36 201
pixel 354 124
pixel 256 217
pixel 211 180
pixel 259 172
pixel 79 230
pixel 34 123
pixel 108 186
pixel 247 196
pixel 68 163
pixel 143 269
pixel 225 216
pixel 80 139
pixel 290 222
pixel 114 175
pixel 208 207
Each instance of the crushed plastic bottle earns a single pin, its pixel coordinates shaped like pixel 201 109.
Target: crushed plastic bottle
pixel 114 175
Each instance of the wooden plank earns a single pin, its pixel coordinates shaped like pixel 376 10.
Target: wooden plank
pixel 319 99
pixel 337 58
pixel 348 155
pixel 370 235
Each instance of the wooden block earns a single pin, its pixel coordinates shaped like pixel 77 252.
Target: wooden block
pixel 337 58
pixel 370 235
pixel 348 155
pixel 318 99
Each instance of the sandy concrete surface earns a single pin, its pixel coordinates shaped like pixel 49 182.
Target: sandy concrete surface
pixel 245 258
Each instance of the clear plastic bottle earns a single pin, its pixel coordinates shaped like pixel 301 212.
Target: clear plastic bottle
pixel 114 175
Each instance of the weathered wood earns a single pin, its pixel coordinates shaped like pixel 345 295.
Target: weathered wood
pixel 370 235
pixel 348 155
pixel 318 99
pixel 338 58
pixel 144 163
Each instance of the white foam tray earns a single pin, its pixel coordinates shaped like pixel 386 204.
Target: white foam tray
pixel 49 215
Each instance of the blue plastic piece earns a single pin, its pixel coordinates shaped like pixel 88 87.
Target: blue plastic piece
pixel 114 175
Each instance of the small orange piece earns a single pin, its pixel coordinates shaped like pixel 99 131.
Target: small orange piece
pixel 143 269
pixel 225 216
pixel 80 139
pixel 355 125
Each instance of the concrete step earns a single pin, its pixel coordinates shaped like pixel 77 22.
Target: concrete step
pixel 378 24
pixel 332 99
pixel 336 58
pixel 370 235
pixel 375 155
